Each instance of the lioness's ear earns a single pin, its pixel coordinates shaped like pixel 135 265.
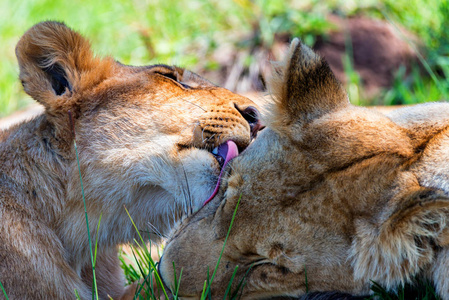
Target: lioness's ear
pixel 53 60
pixel 394 251
pixel 304 86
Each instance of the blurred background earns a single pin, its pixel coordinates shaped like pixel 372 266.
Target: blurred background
pixel 386 52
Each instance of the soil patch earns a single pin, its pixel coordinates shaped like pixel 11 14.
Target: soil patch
pixel 376 49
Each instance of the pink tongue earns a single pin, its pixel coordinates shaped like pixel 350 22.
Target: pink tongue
pixel 228 151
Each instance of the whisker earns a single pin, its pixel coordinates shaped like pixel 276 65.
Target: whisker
pixel 209 138
pixel 189 194
pixel 196 123
pixel 155 230
pixel 202 134
pixel 177 106
pixel 194 104
pixel 187 204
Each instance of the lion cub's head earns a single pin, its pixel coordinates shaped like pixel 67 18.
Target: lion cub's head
pixel 152 138
pixel 331 197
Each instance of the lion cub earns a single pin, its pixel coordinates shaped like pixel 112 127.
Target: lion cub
pixel 145 138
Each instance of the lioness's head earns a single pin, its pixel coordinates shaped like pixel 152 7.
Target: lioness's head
pixel 331 197
pixel 153 138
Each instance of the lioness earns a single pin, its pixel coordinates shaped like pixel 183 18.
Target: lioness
pixel 332 197
pixel 145 138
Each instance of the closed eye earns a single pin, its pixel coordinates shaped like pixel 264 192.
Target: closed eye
pixel 173 77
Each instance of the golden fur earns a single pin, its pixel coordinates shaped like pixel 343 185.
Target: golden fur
pixel 342 193
pixel 143 136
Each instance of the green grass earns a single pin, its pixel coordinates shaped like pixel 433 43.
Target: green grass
pixel 148 286
pixel 186 32
pixel 143 267
pixel 415 89
pixel 3 290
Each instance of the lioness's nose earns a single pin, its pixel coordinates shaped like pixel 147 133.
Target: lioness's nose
pixel 252 116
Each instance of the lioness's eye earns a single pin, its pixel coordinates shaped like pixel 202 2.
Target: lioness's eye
pixel 168 75
pixel 174 77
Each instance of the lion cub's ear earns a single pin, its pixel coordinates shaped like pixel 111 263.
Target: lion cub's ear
pixel 56 61
pixel 304 86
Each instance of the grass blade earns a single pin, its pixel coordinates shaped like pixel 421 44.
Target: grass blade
pixel 135 227
pixel 204 288
pixel 139 266
pixel 177 282
pixel 241 284
pixel 222 249
pixel 96 240
pixel 94 280
pixel 149 287
pixel 4 292
pixel 152 264
pixel 228 289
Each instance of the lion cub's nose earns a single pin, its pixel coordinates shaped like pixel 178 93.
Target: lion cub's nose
pixel 252 116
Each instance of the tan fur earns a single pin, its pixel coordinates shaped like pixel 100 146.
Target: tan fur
pixel 339 193
pixel 143 136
